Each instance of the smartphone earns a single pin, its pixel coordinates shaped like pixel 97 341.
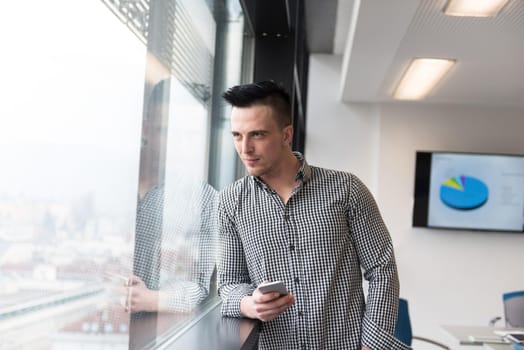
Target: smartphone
pixel 516 337
pixel 118 277
pixel 276 286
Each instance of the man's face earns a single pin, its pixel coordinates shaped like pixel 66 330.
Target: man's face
pixel 260 142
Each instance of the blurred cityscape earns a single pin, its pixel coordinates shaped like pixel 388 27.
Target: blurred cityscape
pixel 58 262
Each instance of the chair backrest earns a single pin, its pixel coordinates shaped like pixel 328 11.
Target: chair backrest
pixel 403 329
pixel 514 308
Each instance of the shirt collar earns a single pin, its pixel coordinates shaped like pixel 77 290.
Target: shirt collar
pixel 304 171
pixel 303 174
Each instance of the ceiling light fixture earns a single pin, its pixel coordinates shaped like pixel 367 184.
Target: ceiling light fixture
pixel 421 77
pixel 474 8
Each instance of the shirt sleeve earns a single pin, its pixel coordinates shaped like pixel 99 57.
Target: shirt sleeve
pixel 181 296
pixel 375 252
pixel 234 282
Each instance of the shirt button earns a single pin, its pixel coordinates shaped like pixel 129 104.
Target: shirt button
pixel 286 217
pixel 300 313
pixel 297 279
pixel 291 247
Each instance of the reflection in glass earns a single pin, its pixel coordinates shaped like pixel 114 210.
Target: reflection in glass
pixel 175 239
pixel 175 228
pixel 175 248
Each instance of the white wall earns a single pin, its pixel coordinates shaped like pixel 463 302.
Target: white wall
pixel 339 136
pixel 449 277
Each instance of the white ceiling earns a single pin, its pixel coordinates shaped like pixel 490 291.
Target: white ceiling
pixel 382 36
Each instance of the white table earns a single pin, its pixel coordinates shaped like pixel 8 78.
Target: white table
pixel 498 347
pixel 473 335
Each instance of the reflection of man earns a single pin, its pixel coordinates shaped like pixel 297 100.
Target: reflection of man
pixel 175 231
pixel 175 248
pixel 312 228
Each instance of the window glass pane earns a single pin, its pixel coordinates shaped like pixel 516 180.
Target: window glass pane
pixel 101 99
pixel 174 255
pixel 72 92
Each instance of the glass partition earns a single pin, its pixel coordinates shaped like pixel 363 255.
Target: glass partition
pixel 107 235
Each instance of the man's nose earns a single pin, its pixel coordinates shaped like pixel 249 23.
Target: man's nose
pixel 247 145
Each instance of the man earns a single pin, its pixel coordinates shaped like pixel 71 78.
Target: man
pixel 312 228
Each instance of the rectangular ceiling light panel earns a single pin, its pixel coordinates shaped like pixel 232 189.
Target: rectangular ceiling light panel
pixel 422 75
pixel 474 8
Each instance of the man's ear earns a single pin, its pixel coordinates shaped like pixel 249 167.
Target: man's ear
pixel 288 135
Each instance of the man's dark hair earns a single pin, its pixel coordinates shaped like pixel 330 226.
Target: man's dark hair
pixel 266 93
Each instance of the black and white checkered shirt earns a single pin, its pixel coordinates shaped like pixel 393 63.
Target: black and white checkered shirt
pixel 319 244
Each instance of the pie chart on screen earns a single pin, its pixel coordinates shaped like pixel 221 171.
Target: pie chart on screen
pixel 464 192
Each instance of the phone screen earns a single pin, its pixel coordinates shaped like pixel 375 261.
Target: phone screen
pixel 273 287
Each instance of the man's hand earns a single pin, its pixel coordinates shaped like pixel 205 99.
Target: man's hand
pixel 139 297
pixel 265 307
pixel 365 348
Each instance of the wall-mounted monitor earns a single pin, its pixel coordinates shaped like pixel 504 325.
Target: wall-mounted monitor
pixel 469 191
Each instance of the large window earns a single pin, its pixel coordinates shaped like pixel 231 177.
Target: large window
pixel 107 236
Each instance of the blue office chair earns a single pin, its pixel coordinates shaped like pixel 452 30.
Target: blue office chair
pixel 403 329
pixel 513 310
